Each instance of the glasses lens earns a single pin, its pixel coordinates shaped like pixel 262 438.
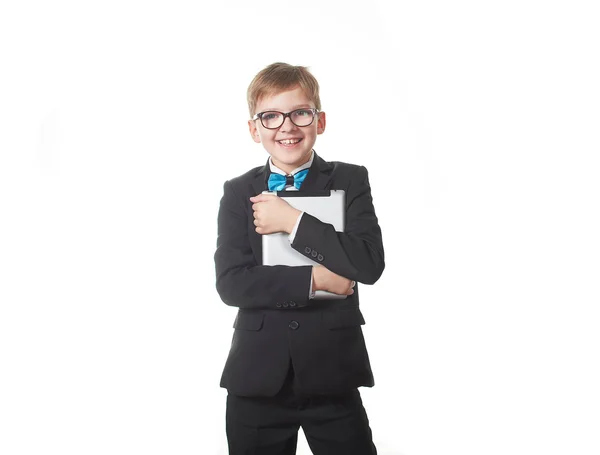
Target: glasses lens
pixel 302 117
pixel 272 119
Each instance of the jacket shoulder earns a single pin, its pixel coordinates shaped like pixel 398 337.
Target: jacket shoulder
pixel 342 166
pixel 349 172
pixel 243 179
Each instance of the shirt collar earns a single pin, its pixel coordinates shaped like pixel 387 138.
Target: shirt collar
pixel 276 170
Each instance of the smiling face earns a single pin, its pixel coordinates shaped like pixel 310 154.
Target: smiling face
pixel 289 145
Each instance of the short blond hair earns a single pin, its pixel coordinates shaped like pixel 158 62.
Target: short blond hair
pixel 278 77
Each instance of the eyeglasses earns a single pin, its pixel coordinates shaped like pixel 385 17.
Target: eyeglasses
pixel 274 119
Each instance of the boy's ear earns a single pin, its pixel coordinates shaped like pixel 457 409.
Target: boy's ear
pixel 253 131
pixel 321 121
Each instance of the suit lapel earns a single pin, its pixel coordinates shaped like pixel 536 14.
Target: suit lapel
pixel 259 184
pixel 319 175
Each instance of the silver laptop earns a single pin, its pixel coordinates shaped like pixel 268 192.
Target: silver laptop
pixel 328 206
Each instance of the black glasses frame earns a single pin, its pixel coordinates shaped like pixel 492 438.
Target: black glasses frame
pixel 288 114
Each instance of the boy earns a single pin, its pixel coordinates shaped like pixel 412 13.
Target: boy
pixel 294 360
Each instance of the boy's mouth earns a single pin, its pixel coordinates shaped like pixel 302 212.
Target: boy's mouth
pixel 288 142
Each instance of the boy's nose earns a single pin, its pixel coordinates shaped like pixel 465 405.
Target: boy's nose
pixel 287 125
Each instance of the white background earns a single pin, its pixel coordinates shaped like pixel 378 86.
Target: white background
pixel 479 124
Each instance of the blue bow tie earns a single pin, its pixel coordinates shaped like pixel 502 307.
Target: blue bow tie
pixel 278 182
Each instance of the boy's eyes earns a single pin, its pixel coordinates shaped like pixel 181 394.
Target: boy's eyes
pixel 270 115
pixel 297 113
pixel 302 113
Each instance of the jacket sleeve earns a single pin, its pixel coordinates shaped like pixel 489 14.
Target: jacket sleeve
pixel 240 281
pixel 356 253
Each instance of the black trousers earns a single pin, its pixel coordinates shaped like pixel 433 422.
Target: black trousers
pixel 333 424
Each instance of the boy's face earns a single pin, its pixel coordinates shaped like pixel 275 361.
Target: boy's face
pixel 287 155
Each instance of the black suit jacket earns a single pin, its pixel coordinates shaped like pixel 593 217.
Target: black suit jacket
pixel 276 320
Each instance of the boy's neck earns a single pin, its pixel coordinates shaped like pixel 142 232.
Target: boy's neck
pixel 288 169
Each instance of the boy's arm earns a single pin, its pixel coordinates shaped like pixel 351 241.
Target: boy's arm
pixel 240 281
pixel 356 253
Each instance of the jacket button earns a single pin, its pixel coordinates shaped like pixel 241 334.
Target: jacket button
pixel 292 303
pixel 294 325
pixel 320 258
pixel 313 254
pixel 285 304
pixel 278 305
pixel 307 250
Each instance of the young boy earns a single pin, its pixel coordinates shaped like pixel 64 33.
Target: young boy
pixel 295 360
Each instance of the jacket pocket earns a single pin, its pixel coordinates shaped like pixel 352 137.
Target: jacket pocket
pixel 340 319
pixel 248 321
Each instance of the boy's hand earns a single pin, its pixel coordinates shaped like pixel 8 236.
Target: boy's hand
pixel 273 214
pixel 325 280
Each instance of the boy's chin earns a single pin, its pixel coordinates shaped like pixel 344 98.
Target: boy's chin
pixel 290 159
pixel 290 156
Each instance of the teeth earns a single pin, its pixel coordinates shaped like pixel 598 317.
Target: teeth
pixel 289 141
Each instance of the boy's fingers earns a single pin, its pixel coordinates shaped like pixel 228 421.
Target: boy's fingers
pixel 261 197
